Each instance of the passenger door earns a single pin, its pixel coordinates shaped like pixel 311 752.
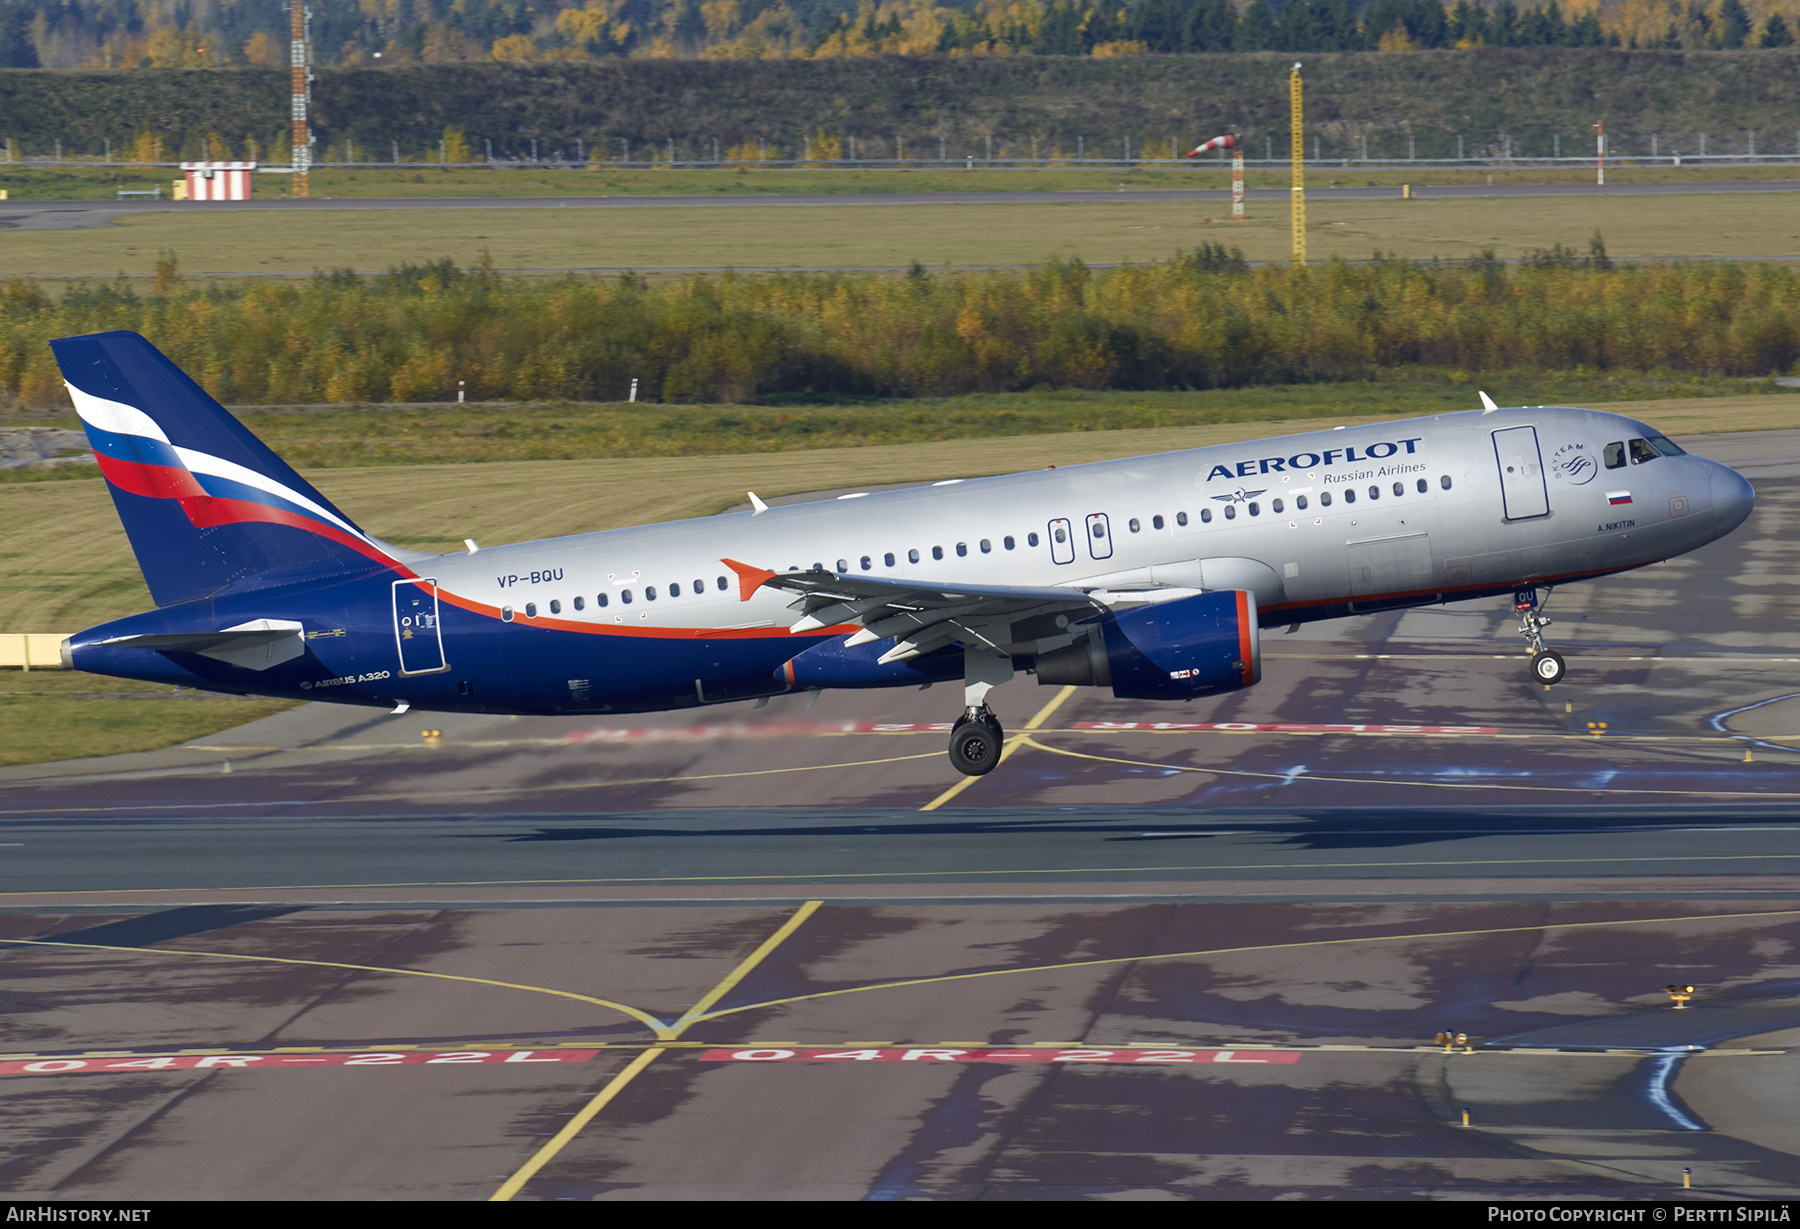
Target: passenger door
pixel 1522 489
pixel 1062 541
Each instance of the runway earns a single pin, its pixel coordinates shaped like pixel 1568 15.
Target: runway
pixel 85 215
pixel 1181 953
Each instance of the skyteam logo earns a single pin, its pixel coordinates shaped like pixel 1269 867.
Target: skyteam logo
pixel 1303 461
pixel 1574 465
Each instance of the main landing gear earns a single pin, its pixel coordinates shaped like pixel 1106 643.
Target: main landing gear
pixel 975 742
pixel 1547 665
pixel 976 739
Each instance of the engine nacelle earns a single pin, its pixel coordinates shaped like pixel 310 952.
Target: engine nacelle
pixel 1193 646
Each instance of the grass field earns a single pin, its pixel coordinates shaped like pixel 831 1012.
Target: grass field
pixel 827 236
pixel 56 715
pixel 26 182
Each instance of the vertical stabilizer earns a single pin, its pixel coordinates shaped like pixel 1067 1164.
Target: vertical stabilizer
pixel 205 503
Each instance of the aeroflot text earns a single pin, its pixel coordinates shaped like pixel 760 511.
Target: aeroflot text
pixel 1679 1213
pixel 1313 460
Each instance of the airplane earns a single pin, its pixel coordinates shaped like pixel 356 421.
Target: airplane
pixel 1154 576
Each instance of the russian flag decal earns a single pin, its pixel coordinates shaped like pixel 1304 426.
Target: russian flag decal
pixel 1615 498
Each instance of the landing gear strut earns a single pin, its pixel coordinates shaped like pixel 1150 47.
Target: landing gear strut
pixel 975 742
pixel 1547 665
pixel 977 739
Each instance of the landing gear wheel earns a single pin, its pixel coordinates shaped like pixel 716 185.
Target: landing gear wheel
pixel 975 746
pixel 1547 667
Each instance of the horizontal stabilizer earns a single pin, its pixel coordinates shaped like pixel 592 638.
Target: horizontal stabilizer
pixel 256 645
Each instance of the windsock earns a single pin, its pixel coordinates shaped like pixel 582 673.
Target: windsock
pixel 1215 143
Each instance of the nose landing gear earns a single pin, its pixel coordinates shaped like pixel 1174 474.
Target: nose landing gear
pixel 1547 665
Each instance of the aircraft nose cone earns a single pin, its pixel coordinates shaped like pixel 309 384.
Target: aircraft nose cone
pixel 1733 498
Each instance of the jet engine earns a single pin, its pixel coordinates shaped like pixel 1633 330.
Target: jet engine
pixel 1176 650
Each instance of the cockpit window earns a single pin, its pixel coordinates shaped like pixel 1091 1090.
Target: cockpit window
pixel 1666 446
pixel 1641 452
pixel 1615 455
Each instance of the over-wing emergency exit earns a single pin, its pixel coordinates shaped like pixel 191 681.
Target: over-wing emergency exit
pixel 1152 576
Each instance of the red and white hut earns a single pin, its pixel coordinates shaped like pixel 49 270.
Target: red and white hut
pixel 218 181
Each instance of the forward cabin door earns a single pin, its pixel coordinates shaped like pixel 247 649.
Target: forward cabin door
pixel 1521 473
pixel 416 626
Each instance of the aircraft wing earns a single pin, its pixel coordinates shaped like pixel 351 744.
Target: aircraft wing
pixel 921 615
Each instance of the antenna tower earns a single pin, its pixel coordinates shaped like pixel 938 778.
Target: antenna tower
pixel 1299 157
pixel 300 76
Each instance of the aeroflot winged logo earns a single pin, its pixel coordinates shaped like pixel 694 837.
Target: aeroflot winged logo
pixel 1329 457
pixel 1239 496
pixel 136 456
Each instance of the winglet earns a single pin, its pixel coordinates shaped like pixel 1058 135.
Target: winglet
pixel 1487 407
pixel 758 504
pixel 749 579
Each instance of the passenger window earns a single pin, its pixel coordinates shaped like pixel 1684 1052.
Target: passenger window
pixel 1275 505
pixel 600 600
pixel 1133 525
pixel 962 550
pixel 1399 488
pixel 987 547
pixel 1181 517
pixel 1641 452
pixel 1156 522
pixel 1349 497
pixel 1444 482
pixel 1424 486
pixel 1099 529
pixel 1325 499
pixel 1031 539
pixel 580 604
pixel 1062 535
pixel 1231 512
pixel 625 596
pixel 724 585
pixel 887 560
pixel 912 556
pixel 1007 542
pixel 1374 492
pixel 555 606
pixel 937 552
pixel 649 593
pixel 867 563
pixel 843 565
pixel 1300 502
pixel 1615 455
pixel 1255 509
pixel 699 586
pixel 1205 516
pixel 675 590
pixel 531 610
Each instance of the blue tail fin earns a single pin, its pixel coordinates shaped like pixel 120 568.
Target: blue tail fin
pixel 205 503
